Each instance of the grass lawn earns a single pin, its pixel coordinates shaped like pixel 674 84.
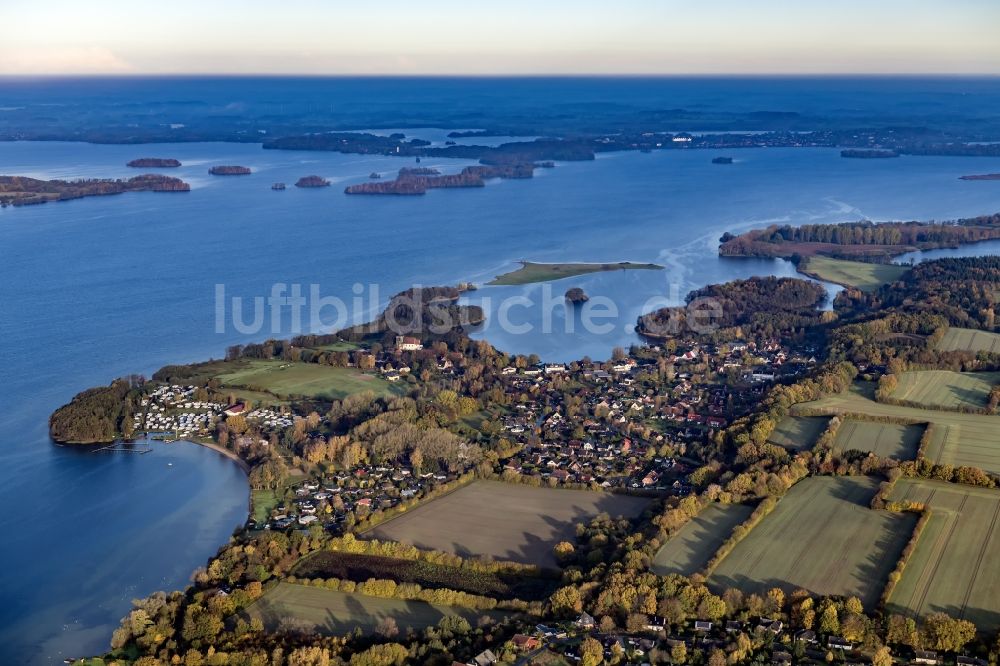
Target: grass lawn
pixel 946 389
pixel 339 346
pixel 799 433
pixel 285 379
pixel 329 612
pixel 531 272
pixel 505 521
pixel 888 440
pixel 864 276
pixel 958 439
pixel 821 537
pixel 688 551
pixel 954 567
pixel 969 339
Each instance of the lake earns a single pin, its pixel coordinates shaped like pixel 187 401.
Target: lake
pixel 100 287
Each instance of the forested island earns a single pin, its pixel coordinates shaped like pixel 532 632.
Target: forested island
pixel 312 181
pixel 722 160
pixel 576 295
pixel 154 162
pixel 230 170
pixel 417 180
pixel 982 176
pixel 868 154
pixel 23 191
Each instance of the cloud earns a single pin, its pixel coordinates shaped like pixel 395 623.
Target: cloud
pixel 70 60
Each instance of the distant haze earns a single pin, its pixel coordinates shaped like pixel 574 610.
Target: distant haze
pixel 514 37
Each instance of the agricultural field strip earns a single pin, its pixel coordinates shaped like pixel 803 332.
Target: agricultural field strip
pixel 798 432
pixel 819 533
pixel 969 339
pixel 945 388
pixel 889 440
pixel 689 550
pixel 955 534
pixel 505 521
pixel 334 612
pixel 960 439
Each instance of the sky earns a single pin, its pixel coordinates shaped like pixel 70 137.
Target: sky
pixel 423 37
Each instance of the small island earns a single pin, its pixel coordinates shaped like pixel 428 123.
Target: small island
pixel 312 181
pixel 530 272
pixel 868 154
pixel 722 160
pixel 23 191
pixel 375 175
pixel 278 186
pixel 154 163
pixel 575 295
pixel 230 170
pixel 417 180
pixel 981 176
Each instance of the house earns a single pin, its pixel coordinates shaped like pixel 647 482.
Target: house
pixel 702 625
pixel 236 409
pixel 928 657
pixel 839 643
pixel 962 660
pixel 406 343
pixel 525 643
pixel 774 626
pixel 806 636
pixel 586 621
pixel 733 626
pixel 486 658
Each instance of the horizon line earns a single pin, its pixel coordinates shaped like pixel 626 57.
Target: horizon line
pixel 511 75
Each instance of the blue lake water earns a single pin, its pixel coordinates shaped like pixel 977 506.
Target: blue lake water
pixel 96 288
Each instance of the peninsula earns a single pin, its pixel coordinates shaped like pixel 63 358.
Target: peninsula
pixel 154 163
pixel 23 191
pixel 858 239
pixel 230 171
pixel 530 272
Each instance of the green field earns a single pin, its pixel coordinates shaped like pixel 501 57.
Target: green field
pixel 946 389
pixel 531 272
pixel 864 276
pixel 330 612
pixel 284 379
pixel 504 521
pixel 887 440
pixel 958 439
pixel 798 433
pixel 953 567
pixel 969 339
pixel 821 537
pixel 690 549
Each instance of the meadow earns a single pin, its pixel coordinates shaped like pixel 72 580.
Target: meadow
pixel 969 339
pixel 504 521
pixel 887 440
pixel 330 612
pixel 946 389
pixel 798 433
pixel 952 568
pixel 689 550
pixel 821 537
pixel 359 568
pixel 957 438
pixel 284 379
pixel 863 275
